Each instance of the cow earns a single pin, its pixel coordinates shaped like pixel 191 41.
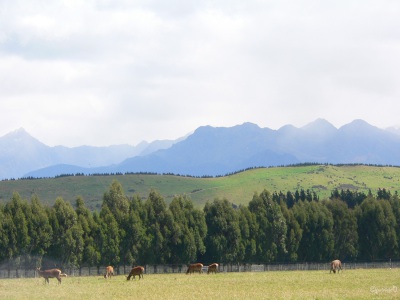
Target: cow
pixel 52 273
pixel 135 271
pixel 198 267
pixel 336 265
pixel 109 272
pixel 213 268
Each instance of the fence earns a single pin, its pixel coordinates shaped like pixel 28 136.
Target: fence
pixel 166 269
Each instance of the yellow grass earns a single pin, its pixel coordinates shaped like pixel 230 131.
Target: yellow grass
pixel 350 284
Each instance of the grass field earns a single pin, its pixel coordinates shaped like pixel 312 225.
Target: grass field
pixel 349 284
pixel 238 188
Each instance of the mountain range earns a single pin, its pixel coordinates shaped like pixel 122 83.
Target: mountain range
pixel 208 151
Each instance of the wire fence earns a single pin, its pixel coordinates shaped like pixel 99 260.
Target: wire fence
pixel 8 272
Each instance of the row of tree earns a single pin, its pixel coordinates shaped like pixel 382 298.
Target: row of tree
pixel 274 227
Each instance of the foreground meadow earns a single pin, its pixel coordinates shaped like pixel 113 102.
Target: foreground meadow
pixel 350 284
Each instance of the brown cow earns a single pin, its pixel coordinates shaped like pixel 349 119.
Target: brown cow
pixel 198 267
pixel 109 272
pixel 213 268
pixel 135 271
pixel 336 265
pixel 52 273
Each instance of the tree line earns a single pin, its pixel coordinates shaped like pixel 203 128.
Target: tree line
pixel 273 227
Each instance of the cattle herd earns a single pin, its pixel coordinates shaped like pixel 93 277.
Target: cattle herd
pixel 335 265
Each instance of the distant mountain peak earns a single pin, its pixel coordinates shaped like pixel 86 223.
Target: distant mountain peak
pixel 249 125
pixel 319 123
pixel 358 124
pixel 19 131
pixel 320 127
pixel 287 128
pixel 18 135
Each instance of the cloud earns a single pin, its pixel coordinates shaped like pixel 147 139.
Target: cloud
pixel 106 72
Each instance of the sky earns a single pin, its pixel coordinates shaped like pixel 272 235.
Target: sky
pixel 112 72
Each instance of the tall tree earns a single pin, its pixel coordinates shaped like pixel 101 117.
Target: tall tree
pixel 135 240
pixel 4 239
pixel 116 201
pixel 248 231
pixel 344 229
pixel 160 229
pixel 90 255
pixel 376 225
pixel 395 204
pixel 271 232
pixel 67 244
pixel 316 221
pixel 118 204
pixel 39 229
pixel 223 238
pixel 109 237
pixel 18 234
pixel 189 236
pixel 293 235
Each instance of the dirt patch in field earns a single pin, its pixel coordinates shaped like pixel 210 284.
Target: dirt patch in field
pixel 347 187
pixel 319 187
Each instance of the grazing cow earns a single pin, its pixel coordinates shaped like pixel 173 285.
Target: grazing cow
pixel 336 265
pixel 135 271
pixel 198 267
pixel 109 272
pixel 213 268
pixel 52 273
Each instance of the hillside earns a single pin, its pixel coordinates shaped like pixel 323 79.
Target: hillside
pixel 238 188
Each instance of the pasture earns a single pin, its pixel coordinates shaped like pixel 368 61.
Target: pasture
pixel 238 188
pixel 349 284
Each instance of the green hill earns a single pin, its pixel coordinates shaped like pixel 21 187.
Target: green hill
pixel 237 188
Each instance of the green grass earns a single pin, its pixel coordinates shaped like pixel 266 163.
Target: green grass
pixel 238 188
pixel 349 284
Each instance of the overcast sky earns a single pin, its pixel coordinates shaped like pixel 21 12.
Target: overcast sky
pixel 119 72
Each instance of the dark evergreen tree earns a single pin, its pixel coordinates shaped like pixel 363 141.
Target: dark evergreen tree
pixel 17 228
pixel 137 240
pixel 395 204
pixel 39 230
pixel 5 222
pixel 248 231
pixel 317 242
pixel 384 194
pixel 376 229
pixel 91 255
pixel 67 244
pixel 223 238
pixel 159 230
pixel 188 244
pixel 271 231
pixel 109 238
pixel 116 201
pixel 290 199
pixel 293 235
pixel 344 230
pixel 118 204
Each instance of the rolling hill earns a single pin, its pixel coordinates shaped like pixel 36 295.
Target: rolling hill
pixel 237 188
